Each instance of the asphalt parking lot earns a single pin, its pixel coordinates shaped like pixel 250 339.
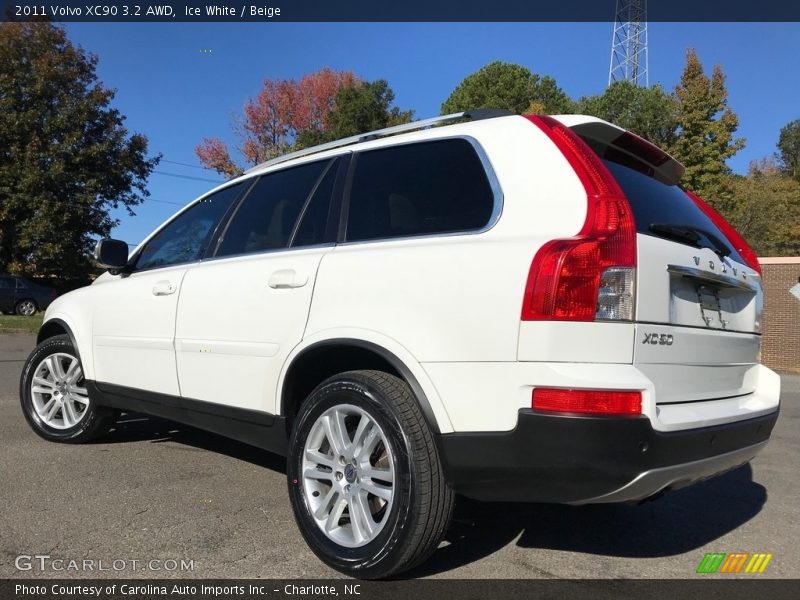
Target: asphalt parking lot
pixel 155 490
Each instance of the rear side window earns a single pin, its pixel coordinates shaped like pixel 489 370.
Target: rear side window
pixel 655 203
pixel 186 237
pixel 419 189
pixel 267 216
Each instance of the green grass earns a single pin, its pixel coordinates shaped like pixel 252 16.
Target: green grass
pixel 15 324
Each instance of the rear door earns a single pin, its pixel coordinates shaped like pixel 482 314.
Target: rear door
pixel 242 311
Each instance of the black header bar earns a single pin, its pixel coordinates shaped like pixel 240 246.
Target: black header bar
pixel 394 10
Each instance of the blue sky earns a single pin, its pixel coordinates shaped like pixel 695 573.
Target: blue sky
pixel 176 94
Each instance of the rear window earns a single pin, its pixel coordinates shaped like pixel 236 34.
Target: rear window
pixel 654 202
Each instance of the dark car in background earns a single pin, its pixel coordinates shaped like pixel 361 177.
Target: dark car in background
pixel 23 296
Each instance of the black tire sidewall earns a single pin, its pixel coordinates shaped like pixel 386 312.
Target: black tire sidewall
pixel 87 424
pixel 372 559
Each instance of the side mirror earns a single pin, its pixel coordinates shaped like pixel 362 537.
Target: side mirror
pixel 111 254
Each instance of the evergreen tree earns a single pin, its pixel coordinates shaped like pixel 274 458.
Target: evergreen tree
pixel 706 130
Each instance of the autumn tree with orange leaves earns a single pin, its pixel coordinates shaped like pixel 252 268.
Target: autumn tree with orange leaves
pixel 283 109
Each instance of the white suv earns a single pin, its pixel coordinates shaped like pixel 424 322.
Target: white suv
pixel 505 307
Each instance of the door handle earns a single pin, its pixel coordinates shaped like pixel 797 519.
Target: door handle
pixel 164 288
pixel 287 278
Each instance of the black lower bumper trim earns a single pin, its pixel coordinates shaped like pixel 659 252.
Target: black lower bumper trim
pixel 572 459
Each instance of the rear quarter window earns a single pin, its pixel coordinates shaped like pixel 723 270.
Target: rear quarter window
pixel 419 189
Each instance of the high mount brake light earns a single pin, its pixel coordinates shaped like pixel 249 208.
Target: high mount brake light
pixel 591 275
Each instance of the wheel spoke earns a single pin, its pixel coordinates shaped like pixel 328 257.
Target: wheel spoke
pixel 58 368
pixel 319 458
pixel 48 363
pixel 329 499
pixel 44 410
pixel 363 431
pixel 377 473
pixel 334 431
pixel 66 416
pixel 76 397
pixel 39 389
pixel 41 381
pixel 361 517
pixel 317 474
pixel 52 412
pixel 376 489
pixel 369 443
pixel 335 514
pixel 69 374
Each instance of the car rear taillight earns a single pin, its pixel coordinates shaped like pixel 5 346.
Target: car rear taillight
pixel 733 236
pixel 605 402
pixel 589 276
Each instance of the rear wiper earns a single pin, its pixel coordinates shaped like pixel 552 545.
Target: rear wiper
pixel 693 235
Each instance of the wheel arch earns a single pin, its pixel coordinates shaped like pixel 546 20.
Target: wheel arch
pixel 58 326
pixel 302 373
pixel 54 327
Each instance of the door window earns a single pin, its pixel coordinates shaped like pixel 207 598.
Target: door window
pixel 268 215
pixel 186 237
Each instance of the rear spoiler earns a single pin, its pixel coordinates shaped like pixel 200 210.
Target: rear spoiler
pixel 607 139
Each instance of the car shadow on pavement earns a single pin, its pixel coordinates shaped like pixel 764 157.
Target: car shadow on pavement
pixel 677 522
pixel 133 427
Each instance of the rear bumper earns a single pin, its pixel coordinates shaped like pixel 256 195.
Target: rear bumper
pixel 586 459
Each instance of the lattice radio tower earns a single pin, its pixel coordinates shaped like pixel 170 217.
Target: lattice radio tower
pixel 629 43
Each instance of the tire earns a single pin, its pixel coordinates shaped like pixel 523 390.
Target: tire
pixel 396 448
pixel 26 308
pixel 54 398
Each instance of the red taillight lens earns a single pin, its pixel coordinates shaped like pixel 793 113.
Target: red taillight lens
pixel 606 402
pixel 733 236
pixel 565 275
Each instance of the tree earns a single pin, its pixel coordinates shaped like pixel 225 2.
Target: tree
pixel 65 157
pixel 357 108
pixel 706 129
pixel 765 209
pixel 509 86
pixel 789 149
pixel 649 112
pixel 272 120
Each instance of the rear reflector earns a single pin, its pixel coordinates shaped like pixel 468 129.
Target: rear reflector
pixel 605 402
pixel 734 237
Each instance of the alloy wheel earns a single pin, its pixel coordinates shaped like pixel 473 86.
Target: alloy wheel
pixel 348 475
pixel 58 393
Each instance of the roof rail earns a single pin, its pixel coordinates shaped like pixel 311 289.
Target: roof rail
pixel 473 115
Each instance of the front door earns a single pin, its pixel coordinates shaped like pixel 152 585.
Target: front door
pixel 241 313
pixel 134 320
